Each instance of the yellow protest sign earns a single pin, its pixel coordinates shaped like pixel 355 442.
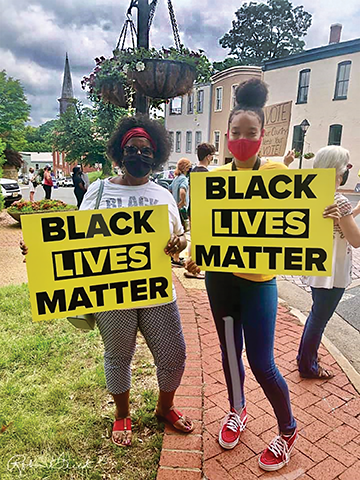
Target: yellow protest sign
pixel 97 260
pixel 264 222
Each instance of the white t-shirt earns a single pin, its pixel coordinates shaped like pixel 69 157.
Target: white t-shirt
pixel 342 254
pixel 122 196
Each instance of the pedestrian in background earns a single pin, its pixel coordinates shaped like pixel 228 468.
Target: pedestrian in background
pixel 47 182
pixel 179 187
pixel 79 185
pixel 327 291
pixel 33 183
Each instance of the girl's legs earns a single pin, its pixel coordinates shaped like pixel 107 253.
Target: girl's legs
pixel 324 304
pixel 161 327
pixel 32 193
pixel 226 311
pixel 258 313
pixel 118 330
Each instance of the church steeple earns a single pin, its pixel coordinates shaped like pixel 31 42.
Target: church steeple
pixel 67 93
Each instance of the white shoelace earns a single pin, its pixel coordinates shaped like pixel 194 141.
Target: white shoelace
pixel 279 447
pixel 233 422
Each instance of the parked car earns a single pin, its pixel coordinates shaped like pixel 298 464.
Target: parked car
pixel 164 178
pixel 68 182
pixel 10 190
pixel 61 181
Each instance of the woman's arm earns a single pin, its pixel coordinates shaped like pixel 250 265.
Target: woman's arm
pixel 356 210
pixel 350 230
pixel 182 194
pixel 176 244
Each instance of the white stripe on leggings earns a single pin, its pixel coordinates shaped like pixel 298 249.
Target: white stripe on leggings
pixel 233 362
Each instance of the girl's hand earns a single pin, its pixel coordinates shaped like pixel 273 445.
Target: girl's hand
pixel 191 267
pixel 24 249
pixel 173 245
pixel 332 211
pixel 289 157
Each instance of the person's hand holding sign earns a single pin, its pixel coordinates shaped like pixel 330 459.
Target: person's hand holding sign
pixel 24 249
pixel 175 245
pixel 289 158
pixel 332 211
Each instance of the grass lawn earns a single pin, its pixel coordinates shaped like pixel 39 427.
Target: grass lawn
pixel 55 412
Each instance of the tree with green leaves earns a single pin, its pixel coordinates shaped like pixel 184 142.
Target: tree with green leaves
pixel 14 113
pixel 266 31
pixel 82 133
pixel 38 139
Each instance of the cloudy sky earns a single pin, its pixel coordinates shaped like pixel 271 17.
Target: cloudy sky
pixel 36 34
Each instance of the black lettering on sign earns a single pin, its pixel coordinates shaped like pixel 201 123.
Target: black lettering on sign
pixel 205 258
pixel 43 300
pixel 101 261
pixel 317 257
pixel 302 186
pixel 158 285
pixel 53 229
pixel 215 188
pixel 273 223
pixel 138 290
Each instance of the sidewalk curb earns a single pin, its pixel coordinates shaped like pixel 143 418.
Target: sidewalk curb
pixel 343 362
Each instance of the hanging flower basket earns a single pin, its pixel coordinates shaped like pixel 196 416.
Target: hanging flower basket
pixel 163 79
pixel 113 92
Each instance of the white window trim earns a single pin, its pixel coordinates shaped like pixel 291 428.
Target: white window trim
pixel 222 98
pixel 217 131
pixel 231 96
pixel 189 133
pixel 176 142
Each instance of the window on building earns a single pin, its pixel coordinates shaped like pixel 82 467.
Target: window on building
pixel 188 142
pixel 335 133
pixel 217 141
pixel 171 135
pixel 233 96
pixel 198 140
pixel 190 105
pixel 298 139
pixel 342 80
pixel 218 99
pixel 200 101
pixel 178 142
pixel 304 83
pixel 176 106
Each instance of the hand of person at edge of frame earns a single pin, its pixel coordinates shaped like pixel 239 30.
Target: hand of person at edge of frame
pixel 173 245
pixel 289 157
pixel 191 266
pixel 332 211
pixel 24 249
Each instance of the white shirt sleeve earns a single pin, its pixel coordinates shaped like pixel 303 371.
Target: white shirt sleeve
pixel 174 217
pixel 89 200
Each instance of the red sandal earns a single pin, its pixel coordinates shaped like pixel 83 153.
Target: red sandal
pixel 121 425
pixel 172 417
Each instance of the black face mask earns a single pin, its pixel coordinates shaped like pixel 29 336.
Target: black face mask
pixel 344 177
pixel 138 166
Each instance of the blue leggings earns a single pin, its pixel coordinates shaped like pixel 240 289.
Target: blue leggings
pixel 324 304
pixel 244 308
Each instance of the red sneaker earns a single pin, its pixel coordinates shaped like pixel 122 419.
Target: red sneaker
pixel 277 455
pixel 232 426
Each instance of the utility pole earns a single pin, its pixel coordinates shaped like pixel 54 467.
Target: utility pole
pixel 142 42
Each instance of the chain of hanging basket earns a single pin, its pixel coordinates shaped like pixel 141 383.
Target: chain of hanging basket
pixel 153 6
pixel 128 26
pixel 174 25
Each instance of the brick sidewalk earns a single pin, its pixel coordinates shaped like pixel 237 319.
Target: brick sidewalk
pixel 327 412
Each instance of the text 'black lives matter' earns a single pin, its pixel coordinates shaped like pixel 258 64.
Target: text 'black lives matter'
pixel 274 223
pixel 97 261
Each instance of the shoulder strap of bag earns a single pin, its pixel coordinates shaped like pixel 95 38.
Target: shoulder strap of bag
pixel 99 194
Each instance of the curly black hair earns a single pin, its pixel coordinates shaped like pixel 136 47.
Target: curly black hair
pixel 154 128
pixel 251 96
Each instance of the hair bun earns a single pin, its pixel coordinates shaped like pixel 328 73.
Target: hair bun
pixel 252 93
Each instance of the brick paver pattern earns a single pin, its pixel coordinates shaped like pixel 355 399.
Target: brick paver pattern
pixel 327 412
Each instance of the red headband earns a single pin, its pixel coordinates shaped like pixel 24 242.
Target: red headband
pixel 137 132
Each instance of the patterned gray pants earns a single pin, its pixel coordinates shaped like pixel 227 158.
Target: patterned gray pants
pixel 161 328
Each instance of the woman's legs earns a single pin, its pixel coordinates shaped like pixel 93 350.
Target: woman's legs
pixel 47 189
pixel 32 193
pixel 324 304
pixel 118 330
pixel 258 313
pixel 161 327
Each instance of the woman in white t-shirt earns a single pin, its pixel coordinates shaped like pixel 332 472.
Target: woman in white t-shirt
pixel 327 291
pixel 138 146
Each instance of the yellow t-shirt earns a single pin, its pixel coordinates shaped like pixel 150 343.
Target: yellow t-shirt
pixel 268 165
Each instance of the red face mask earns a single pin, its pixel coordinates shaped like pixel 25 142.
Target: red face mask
pixel 243 149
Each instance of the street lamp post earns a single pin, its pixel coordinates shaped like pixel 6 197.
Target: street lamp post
pixel 304 128
pixel 142 42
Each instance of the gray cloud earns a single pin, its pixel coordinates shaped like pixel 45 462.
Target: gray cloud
pixel 35 34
